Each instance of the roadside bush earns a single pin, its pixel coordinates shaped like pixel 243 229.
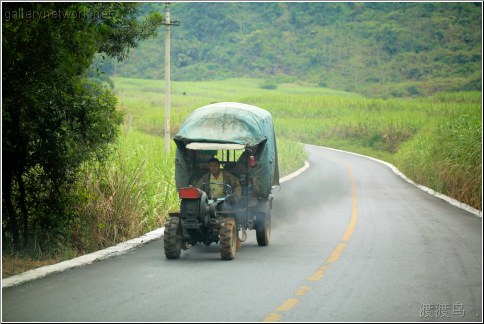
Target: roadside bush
pixel 447 159
pixel 113 211
pixel 268 85
pixel 126 196
pixel 291 156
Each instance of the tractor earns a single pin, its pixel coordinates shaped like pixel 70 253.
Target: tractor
pixel 242 138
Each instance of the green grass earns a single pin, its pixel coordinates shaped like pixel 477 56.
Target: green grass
pixel 436 141
pixel 383 128
pixel 127 195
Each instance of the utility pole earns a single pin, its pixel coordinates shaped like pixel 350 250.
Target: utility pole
pixel 167 22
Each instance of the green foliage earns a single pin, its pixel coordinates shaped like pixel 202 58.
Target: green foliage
pixel 291 155
pixel 377 49
pixel 125 196
pixel 54 118
pixel 133 190
pixel 269 85
pixel 404 131
pixel 448 157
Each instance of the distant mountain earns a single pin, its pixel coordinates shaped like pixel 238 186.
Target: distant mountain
pixel 380 49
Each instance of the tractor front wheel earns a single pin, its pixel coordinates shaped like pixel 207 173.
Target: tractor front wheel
pixel 228 238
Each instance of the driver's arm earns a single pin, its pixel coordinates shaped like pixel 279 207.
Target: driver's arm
pixel 235 184
pixel 200 182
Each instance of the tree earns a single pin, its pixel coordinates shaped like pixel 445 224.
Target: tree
pixel 352 44
pixel 53 117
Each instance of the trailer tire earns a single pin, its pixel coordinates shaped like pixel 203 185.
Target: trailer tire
pixel 228 239
pixel 173 238
pixel 263 228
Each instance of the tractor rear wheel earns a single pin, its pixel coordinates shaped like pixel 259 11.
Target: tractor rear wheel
pixel 228 238
pixel 263 228
pixel 173 238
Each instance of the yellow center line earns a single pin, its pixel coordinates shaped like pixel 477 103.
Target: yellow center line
pixel 302 291
pixel 288 304
pixel 333 257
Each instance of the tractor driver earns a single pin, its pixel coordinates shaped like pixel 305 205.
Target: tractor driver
pixel 219 176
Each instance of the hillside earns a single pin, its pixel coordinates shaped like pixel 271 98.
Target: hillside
pixel 378 49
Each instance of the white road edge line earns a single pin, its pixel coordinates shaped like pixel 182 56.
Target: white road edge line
pixel 82 260
pixel 102 254
pixel 295 173
pixel 432 192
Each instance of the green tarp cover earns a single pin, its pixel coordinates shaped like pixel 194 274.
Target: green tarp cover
pixel 230 122
pixel 226 122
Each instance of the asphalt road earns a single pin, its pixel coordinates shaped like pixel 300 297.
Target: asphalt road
pixel 351 241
